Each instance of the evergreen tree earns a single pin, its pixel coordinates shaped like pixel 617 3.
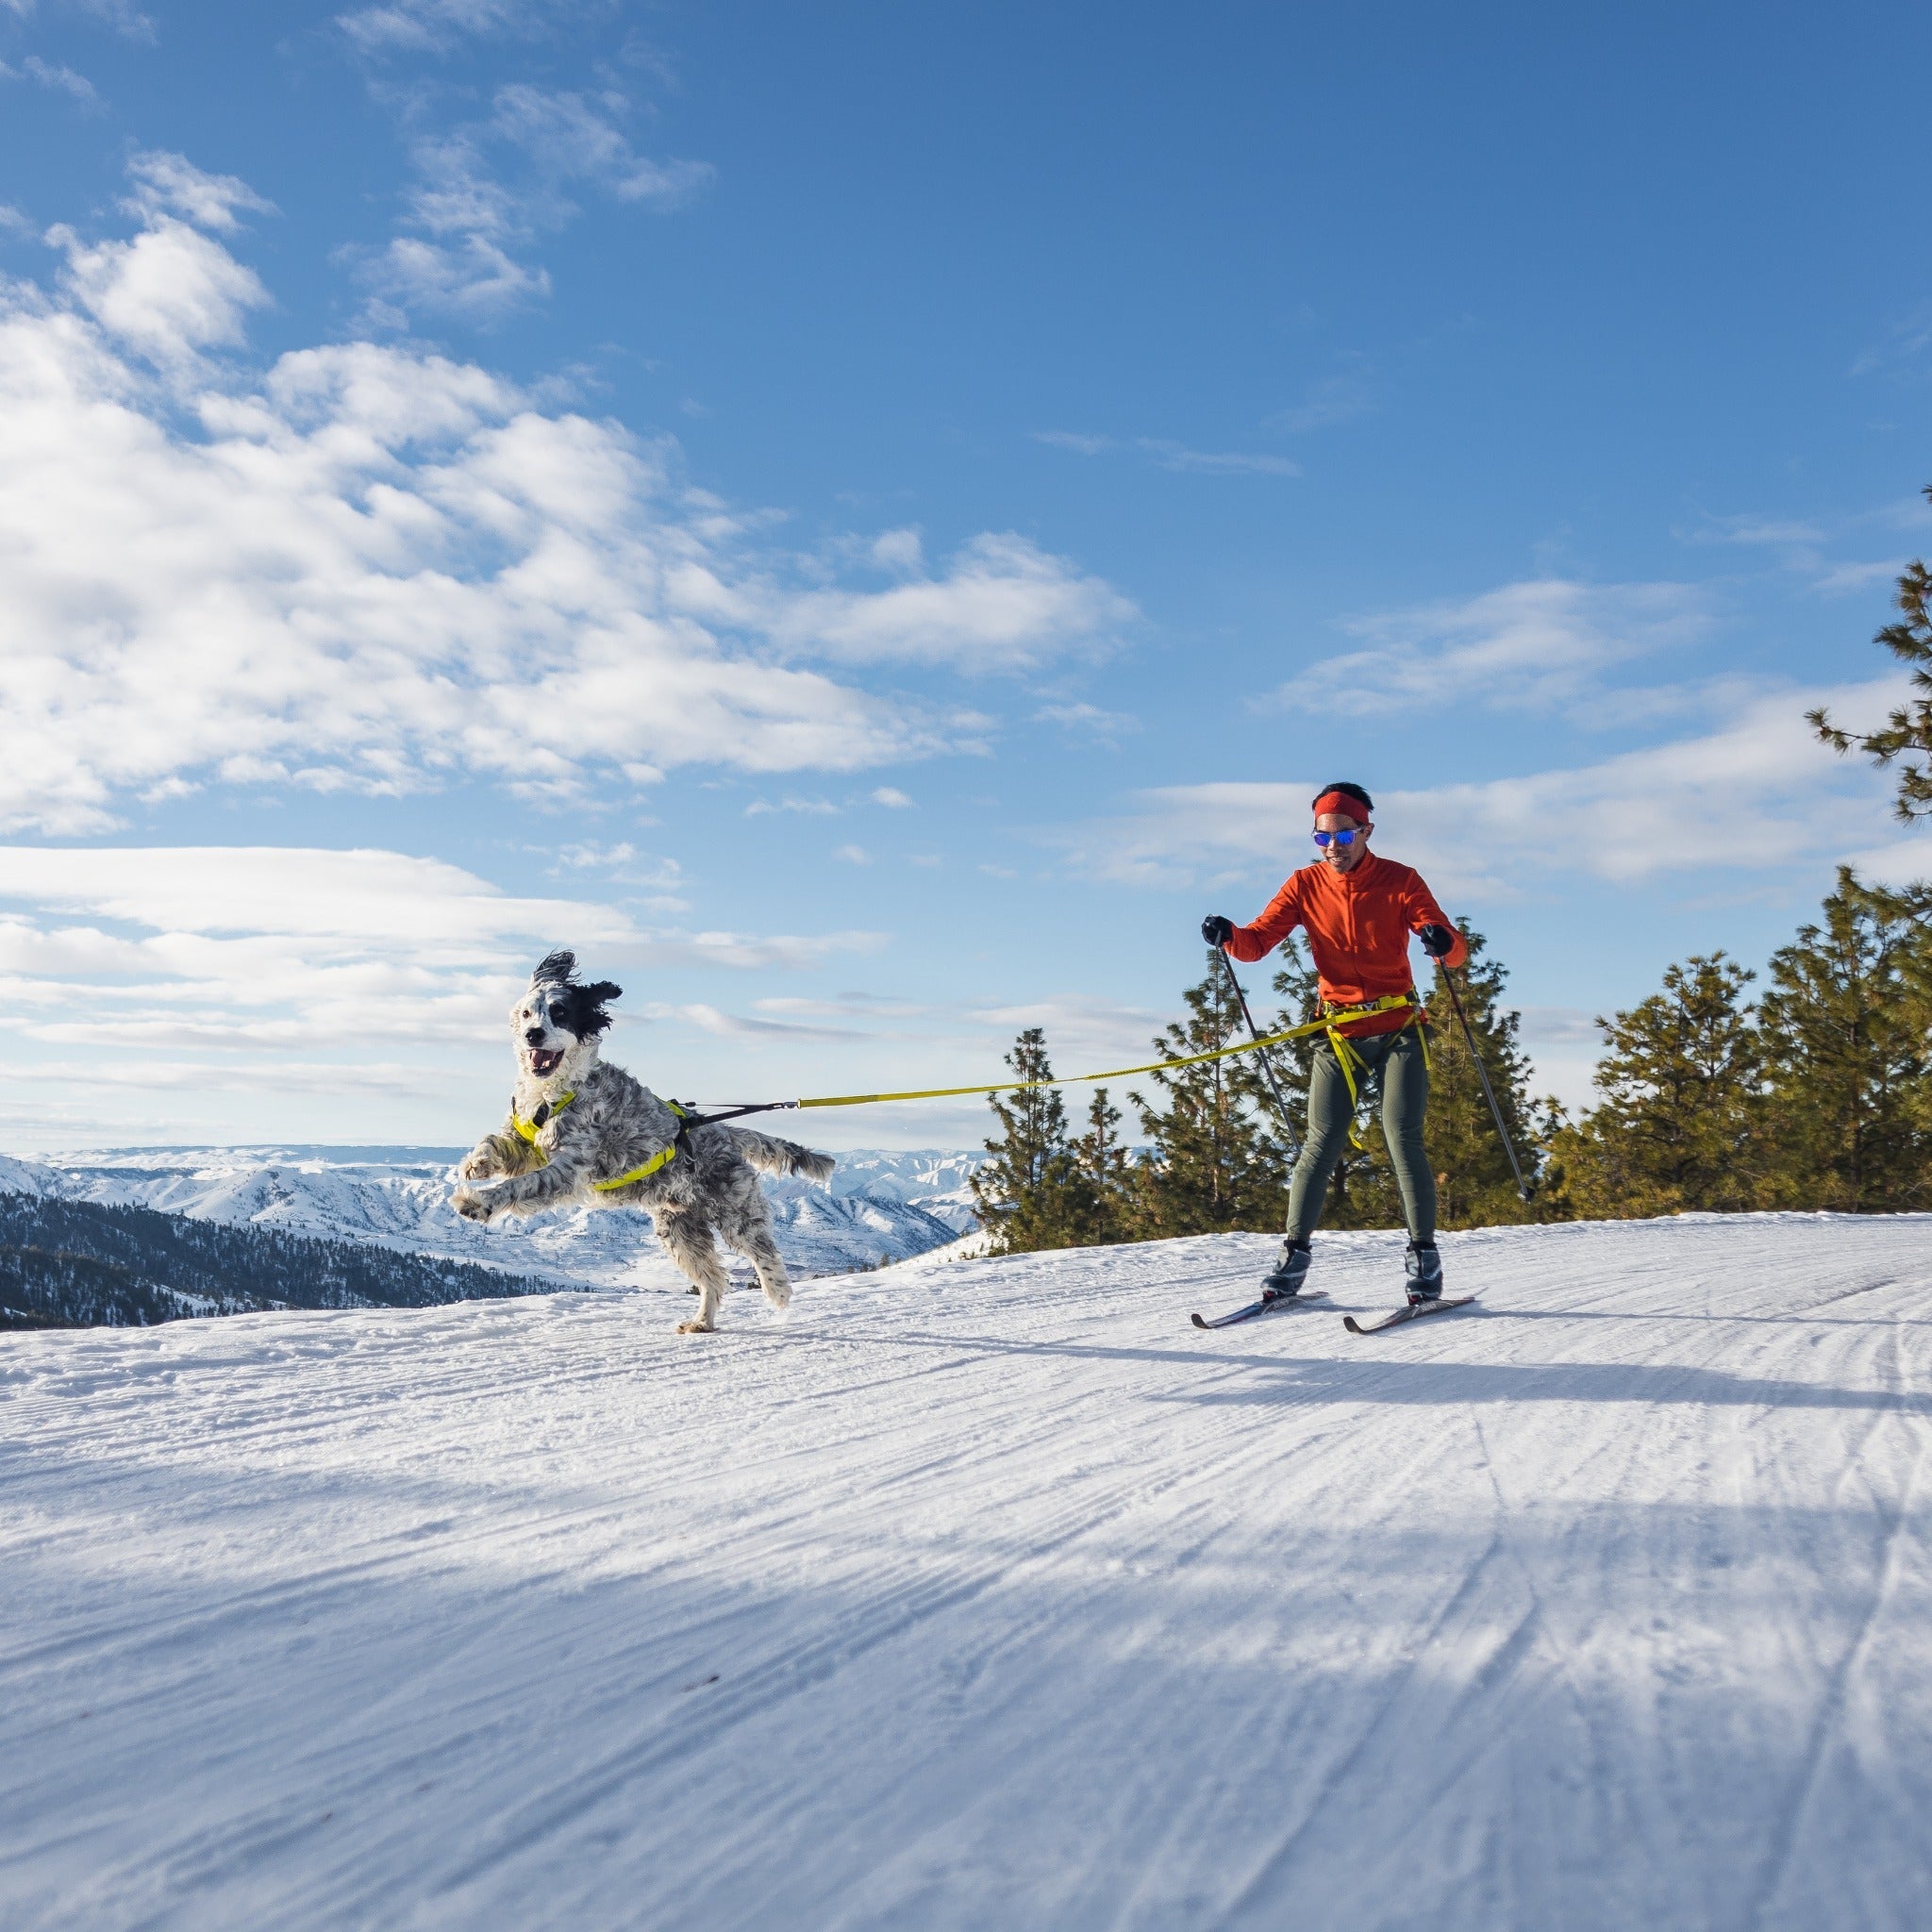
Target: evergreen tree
pixel 1844 1026
pixel 1909 730
pixel 1212 1165
pixel 1475 1185
pixel 1680 1121
pixel 1102 1195
pixel 1027 1192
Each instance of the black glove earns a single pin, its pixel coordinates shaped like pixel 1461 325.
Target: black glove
pixel 1216 930
pixel 1438 941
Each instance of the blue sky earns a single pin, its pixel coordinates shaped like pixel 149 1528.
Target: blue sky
pixel 870 521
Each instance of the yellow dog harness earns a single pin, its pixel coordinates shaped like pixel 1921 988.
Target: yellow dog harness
pixel 529 1130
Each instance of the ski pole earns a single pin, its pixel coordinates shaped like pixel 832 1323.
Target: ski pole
pixel 1482 1074
pixel 1267 1065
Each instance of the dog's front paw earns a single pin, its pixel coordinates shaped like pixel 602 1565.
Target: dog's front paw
pixel 471 1206
pixel 696 1325
pixel 478 1164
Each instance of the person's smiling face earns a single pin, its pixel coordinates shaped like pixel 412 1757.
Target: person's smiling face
pixel 1336 856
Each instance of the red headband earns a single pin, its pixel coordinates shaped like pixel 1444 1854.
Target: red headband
pixel 1341 803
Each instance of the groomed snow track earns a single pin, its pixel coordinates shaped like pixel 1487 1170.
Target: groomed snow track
pixel 994 1594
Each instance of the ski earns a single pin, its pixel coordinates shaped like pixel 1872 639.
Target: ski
pixel 1264 1306
pixel 1413 1311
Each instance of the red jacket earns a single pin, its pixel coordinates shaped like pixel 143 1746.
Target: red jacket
pixel 1358 925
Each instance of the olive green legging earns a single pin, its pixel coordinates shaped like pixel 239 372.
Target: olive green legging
pixel 1396 1063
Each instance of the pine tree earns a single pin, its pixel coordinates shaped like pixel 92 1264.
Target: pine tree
pixel 1680 1122
pixel 1909 730
pixel 1851 1072
pixel 1102 1197
pixel 1023 1190
pixel 1212 1165
pixel 1475 1185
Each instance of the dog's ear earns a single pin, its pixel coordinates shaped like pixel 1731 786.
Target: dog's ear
pixel 555 968
pixel 586 1014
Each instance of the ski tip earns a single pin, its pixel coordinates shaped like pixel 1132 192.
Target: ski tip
pixel 1197 1320
pixel 1352 1326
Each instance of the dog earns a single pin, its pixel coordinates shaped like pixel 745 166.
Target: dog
pixel 581 1129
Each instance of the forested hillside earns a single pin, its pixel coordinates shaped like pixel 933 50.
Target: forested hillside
pixel 71 1264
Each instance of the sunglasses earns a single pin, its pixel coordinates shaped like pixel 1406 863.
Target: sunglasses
pixel 1325 840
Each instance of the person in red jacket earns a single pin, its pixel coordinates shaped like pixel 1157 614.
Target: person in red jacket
pixel 1359 912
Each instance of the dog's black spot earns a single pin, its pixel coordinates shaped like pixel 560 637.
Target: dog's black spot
pixel 581 1010
pixel 559 966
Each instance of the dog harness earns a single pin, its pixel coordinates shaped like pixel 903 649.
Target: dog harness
pixel 548 1110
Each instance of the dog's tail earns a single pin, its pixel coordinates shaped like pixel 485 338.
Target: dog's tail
pixel 769 1155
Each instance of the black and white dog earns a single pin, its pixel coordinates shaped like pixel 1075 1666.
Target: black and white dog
pixel 581 1129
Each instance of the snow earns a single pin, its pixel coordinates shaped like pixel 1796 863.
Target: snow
pixel 990 1594
pixel 880 1207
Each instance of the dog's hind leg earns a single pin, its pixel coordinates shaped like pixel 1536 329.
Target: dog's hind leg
pixel 752 1238
pixel 691 1244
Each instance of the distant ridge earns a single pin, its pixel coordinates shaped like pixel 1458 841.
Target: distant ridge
pixel 82 1264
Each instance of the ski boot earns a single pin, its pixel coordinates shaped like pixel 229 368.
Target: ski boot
pixel 1423 1267
pixel 1290 1272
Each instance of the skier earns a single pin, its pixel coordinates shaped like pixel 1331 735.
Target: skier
pixel 1358 910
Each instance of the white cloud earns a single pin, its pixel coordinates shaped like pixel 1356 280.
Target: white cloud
pixel 437 26
pixel 1904 349
pixel 264 950
pixel 371 568
pixel 1775 533
pixel 1105 725
pixel 1759 793
pixel 892 798
pixel 852 855
pixel 574 137
pixel 468 218
pixel 1002 604
pixel 713 1020
pixel 899 552
pixel 1212 462
pixel 810 808
pixel 1859 576
pixel 1170 455
pixel 473 279
pixel 62 80
pixel 168 183
pixel 1073 440
pixel 1333 399
pixel 118 15
pixel 1903 861
pixel 1542 645
pixel 170 293
pixel 1084 1035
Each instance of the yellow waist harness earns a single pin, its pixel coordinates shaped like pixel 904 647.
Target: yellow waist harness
pixel 527 1130
pixel 1351 1061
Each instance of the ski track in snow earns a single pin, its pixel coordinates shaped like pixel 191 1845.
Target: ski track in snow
pixel 993 1593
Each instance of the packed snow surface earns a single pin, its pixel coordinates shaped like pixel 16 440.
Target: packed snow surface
pixel 994 1594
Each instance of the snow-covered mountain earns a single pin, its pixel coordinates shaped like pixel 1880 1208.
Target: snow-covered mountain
pixel 880 1207
pixel 994 1594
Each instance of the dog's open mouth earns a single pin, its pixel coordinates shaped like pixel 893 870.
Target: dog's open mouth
pixel 544 1061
